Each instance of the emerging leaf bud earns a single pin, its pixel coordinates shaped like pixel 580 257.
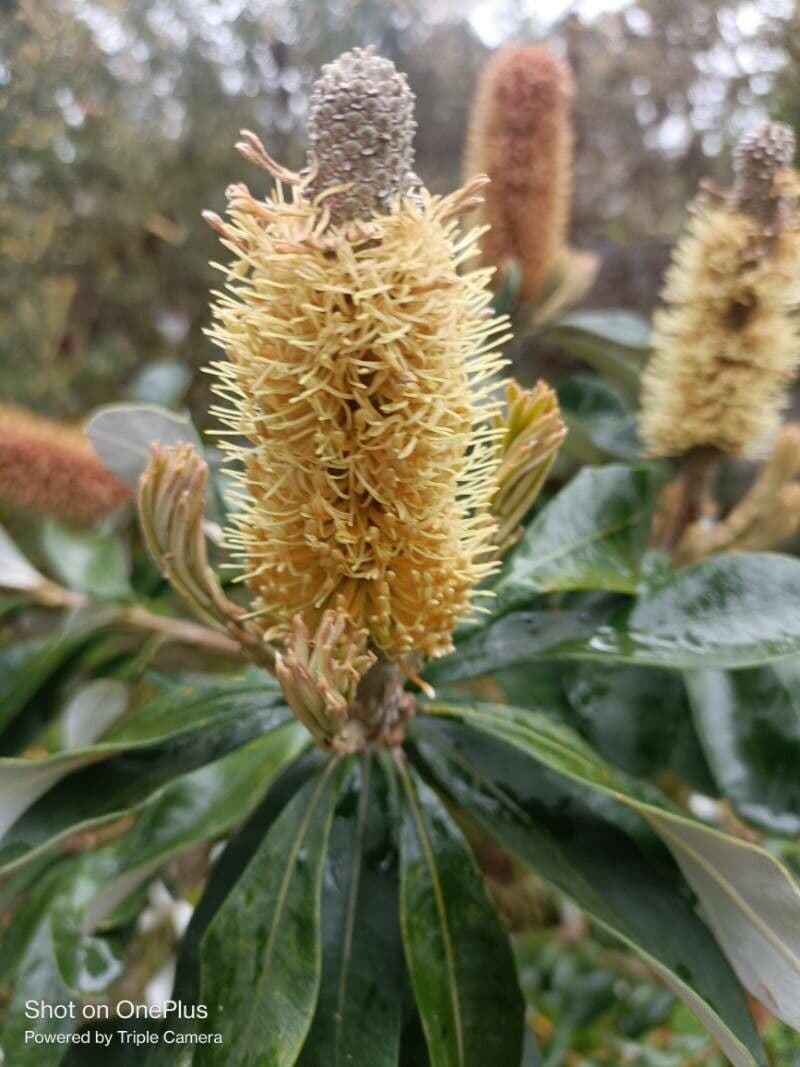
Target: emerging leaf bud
pixel 360 132
pixel 534 432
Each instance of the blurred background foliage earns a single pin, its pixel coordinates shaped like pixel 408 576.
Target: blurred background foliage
pixel 117 123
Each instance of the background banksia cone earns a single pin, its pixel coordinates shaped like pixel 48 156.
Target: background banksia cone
pixel 520 135
pixel 361 131
pixel 50 469
pixel 727 344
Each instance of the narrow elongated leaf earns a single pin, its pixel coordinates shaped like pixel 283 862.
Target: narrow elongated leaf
pixel 573 829
pixel 731 611
pixel 614 343
pixel 92 710
pixel 749 725
pixel 173 735
pixel 261 956
pixel 751 901
pixel 591 536
pixel 458 955
pixel 358 1010
pixel 87 561
pixel 52 931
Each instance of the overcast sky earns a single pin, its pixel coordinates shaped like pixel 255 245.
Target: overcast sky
pixel 490 17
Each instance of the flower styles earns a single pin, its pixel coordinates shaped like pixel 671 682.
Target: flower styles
pixel 727 344
pixel 361 370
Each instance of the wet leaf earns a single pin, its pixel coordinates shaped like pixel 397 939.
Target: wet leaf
pixel 357 1019
pixel 261 957
pixel 458 955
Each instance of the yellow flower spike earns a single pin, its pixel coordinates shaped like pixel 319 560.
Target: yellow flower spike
pixel 171 503
pixel 728 342
pixel 51 469
pixel 534 432
pixel 319 676
pixel 361 370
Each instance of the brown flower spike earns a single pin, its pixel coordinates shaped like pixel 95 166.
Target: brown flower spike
pixel 520 135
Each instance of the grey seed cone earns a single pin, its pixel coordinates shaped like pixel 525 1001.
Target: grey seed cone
pixel 758 157
pixel 361 130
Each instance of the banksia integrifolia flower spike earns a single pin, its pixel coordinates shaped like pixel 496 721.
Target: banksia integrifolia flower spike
pixel 50 469
pixel 727 344
pixel 520 136
pixel 172 504
pixel 759 158
pixel 361 369
pixel 533 433
pixel 319 674
pixel 360 135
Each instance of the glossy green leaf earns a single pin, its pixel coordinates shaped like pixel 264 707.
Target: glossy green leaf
pixel 26 666
pixel 52 931
pixel 85 560
pixel 600 421
pixel 171 736
pixel 458 955
pixel 358 1009
pixel 749 725
pixel 261 957
pixel 92 710
pixel 730 611
pixel 750 900
pixel 638 718
pixel 556 806
pixel 614 343
pixel 591 536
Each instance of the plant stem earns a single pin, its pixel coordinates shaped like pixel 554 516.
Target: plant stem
pixel 180 630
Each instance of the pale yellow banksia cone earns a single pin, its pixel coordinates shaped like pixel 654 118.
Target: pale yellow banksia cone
pixel 360 369
pixel 727 344
pixel 520 135
pixel 51 469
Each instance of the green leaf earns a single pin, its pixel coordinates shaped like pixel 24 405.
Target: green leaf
pixel 27 666
pixel 751 903
pixel 91 711
pixel 458 955
pixel 749 726
pixel 750 899
pixel 15 570
pixel 358 1009
pixel 556 806
pixel 121 435
pixel 88 561
pixel 614 343
pixel 171 736
pixel 637 718
pixel 731 611
pixel 261 956
pixel 52 941
pixel 591 536
pixel 600 421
